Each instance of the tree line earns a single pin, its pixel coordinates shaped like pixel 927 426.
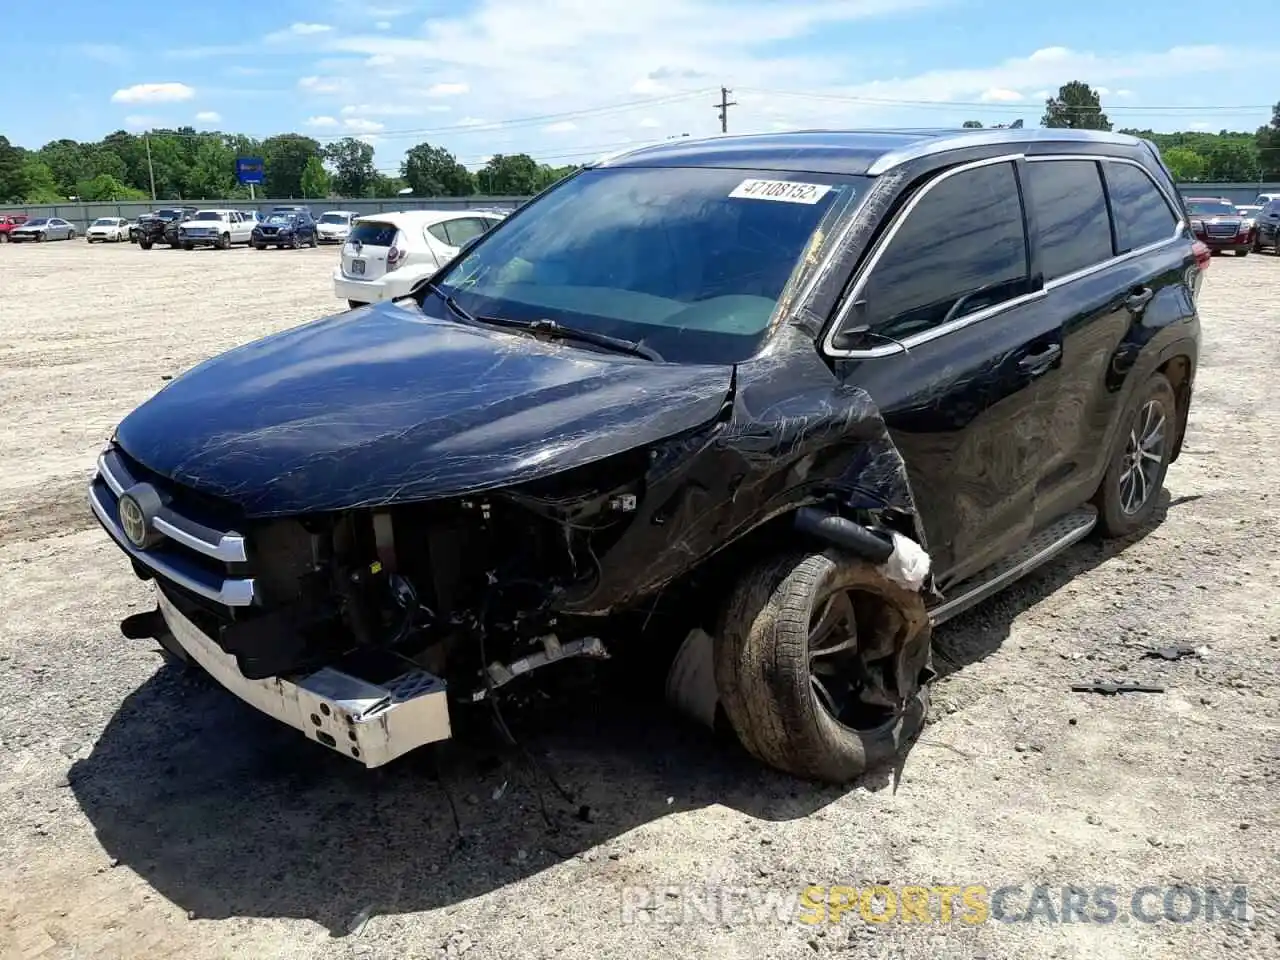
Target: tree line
pixel 187 164
pixel 1224 157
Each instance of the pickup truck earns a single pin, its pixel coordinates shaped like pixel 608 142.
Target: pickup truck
pixel 8 221
pixel 214 228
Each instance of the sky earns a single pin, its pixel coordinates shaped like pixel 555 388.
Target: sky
pixel 569 80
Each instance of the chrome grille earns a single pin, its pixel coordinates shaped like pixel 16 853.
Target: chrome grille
pixel 190 553
pixel 1228 229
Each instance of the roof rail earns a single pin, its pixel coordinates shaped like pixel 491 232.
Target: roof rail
pixel 1003 135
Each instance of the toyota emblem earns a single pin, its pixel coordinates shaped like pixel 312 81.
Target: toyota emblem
pixel 133 521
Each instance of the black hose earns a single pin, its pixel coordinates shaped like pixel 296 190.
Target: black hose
pixel 844 533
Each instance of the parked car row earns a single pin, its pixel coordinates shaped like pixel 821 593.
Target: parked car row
pixel 1241 228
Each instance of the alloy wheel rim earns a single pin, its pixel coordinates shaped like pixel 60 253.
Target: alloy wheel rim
pixel 1143 457
pixel 840 676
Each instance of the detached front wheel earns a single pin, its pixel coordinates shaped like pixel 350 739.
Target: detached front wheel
pixel 822 665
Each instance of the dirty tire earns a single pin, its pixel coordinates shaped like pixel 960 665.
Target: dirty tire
pixel 144 244
pixel 762 667
pixel 1112 520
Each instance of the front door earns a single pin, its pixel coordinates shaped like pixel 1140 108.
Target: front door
pixel 954 341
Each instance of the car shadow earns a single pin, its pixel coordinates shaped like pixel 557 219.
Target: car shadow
pixel 228 813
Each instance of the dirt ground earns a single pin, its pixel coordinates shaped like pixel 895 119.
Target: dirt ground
pixel 143 813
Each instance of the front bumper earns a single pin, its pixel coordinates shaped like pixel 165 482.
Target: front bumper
pixel 370 722
pixel 331 237
pixel 200 241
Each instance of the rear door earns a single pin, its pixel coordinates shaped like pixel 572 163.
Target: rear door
pixel 1091 291
pixel 364 256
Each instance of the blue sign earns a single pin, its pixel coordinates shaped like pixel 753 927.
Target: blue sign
pixel 249 169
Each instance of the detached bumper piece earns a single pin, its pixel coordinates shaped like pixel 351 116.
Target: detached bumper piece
pixel 372 720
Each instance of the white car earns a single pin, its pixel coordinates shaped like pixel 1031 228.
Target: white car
pixel 214 228
pixel 108 229
pixel 334 226
pixel 386 254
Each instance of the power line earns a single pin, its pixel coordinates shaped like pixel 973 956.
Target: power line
pixel 1005 106
pixel 724 106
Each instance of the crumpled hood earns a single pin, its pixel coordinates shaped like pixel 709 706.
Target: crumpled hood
pixel 386 404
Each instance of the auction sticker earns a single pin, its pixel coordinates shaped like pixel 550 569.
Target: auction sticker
pixel 784 191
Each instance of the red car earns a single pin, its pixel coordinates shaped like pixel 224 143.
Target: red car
pixel 8 221
pixel 1220 226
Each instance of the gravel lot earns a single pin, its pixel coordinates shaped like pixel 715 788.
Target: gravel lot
pixel 143 813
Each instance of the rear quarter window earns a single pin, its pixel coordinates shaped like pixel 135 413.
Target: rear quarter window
pixel 1142 214
pixel 373 234
pixel 1071 215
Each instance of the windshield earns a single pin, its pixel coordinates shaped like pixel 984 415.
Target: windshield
pixel 1211 208
pixel 36 223
pixel 333 218
pixel 169 214
pixel 104 222
pixel 280 218
pixel 688 261
pixel 207 215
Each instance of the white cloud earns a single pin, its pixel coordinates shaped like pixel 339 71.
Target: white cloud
pixel 1124 93
pixel 208 116
pixel 321 122
pixel 1102 91
pixel 298 30
pixel 382 25
pixel 560 57
pixel 153 93
pixel 137 121
pixel 1201 125
pixel 361 125
pixel 108 53
pixel 564 126
pixel 321 84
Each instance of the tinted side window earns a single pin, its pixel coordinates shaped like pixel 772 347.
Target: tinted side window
pixel 1141 212
pixel 1071 215
pixel 962 249
pixel 463 229
pixel 437 230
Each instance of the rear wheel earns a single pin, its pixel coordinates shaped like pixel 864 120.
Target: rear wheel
pixel 821 665
pixel 1242 253
pixel 1135 475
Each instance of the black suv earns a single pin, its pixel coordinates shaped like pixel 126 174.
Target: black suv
pixel 282 227
pixel 1268 228
pixel 161 226
pixel 788 401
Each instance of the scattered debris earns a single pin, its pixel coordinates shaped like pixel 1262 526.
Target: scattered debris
pixel 499 792
pixel 1109 688
pixel 1178 652
pixel 359 921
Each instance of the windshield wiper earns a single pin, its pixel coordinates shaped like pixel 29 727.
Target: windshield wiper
pixel 556 330
pixel 551 328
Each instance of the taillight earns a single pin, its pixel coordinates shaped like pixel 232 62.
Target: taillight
pixel 396 253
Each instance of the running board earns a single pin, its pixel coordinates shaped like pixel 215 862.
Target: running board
pixel 1044 545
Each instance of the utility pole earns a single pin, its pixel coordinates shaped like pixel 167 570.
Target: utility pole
pixel 146 138
pixel 723 106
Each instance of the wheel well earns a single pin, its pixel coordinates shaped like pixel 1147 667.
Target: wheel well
pixel 1177 370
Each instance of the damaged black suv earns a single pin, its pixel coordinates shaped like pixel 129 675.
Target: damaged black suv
pixel 792 400
pixel 161 226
